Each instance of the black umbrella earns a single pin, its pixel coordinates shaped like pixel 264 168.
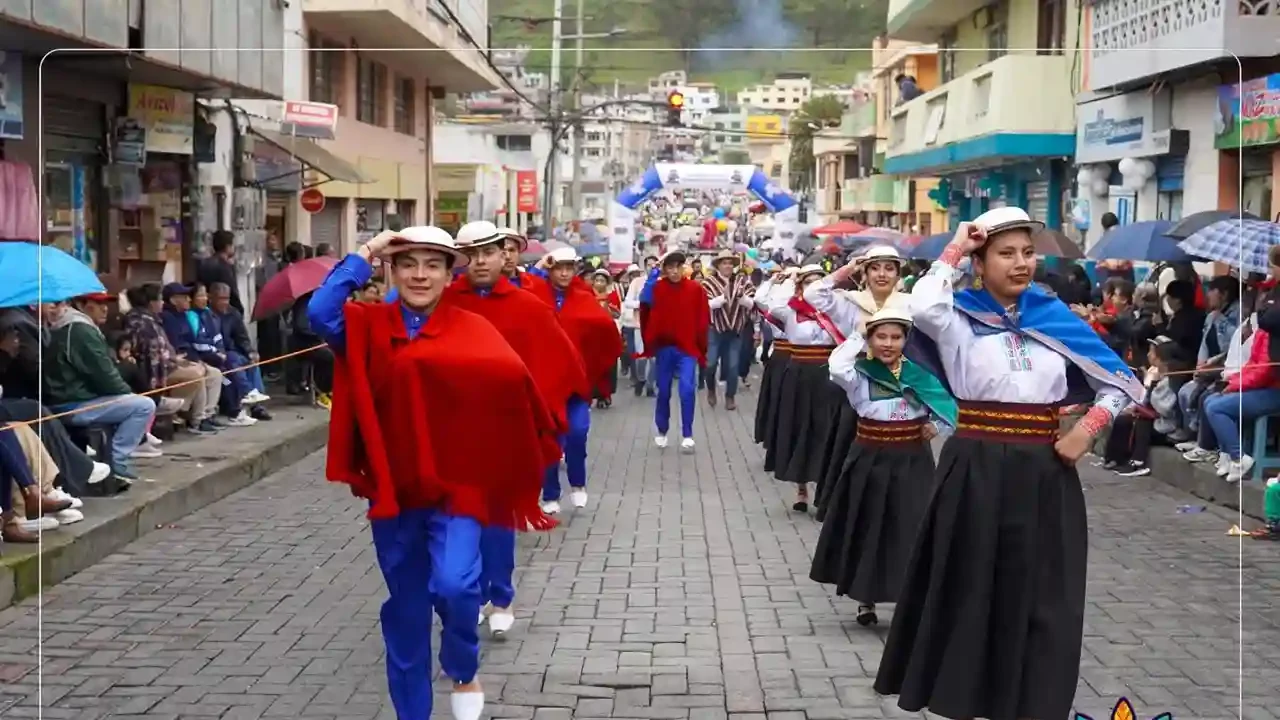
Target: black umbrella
pixel 1196 222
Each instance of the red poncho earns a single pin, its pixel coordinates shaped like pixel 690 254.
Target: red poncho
pixel 451 419
pixel 530 327
pixel 592 330
pixel 678 316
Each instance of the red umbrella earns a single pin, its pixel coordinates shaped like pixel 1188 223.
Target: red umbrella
pixel 291 283
pixel 843 227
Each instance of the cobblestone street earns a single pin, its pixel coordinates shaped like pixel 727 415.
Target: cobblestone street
pixel 682 591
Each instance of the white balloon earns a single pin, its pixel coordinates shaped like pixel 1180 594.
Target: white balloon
pixel 1084 176
pixel 1148 169
pixel 1127 166
pixel 1134 181
pixel 1101 187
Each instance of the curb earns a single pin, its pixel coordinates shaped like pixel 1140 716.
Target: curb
pixel 1168 466
pixel 66 555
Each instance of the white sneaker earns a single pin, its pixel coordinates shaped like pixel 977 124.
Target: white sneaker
pixel 60 494
pixel 43 524
pixel 91 452
pixel 145 452
pixel 686 445
pixel 101 471
pixel 1185 446
pixel 578 498
pixel 254 397
pixel 241 420
pixel 483 615
pixel 1199 454
pixel 1224 464
pixel 661 441
pixel 152 440
pixel 466 705
pixel 551 507
pixel 1239 469
pixel 501 620
pixel 68 516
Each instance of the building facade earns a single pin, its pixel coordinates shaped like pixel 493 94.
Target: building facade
pixel 786 93
pixel 495 171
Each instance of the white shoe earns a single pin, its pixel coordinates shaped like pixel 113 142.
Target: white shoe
pixel 1239 469
pixel 1185 446
pixel 660 441
pixel 68 516
pixel 1199 454
pixel 501 620
pixel 152 440
pixel 483 616
pixel 1224 465
pixel 551 507
pixel 466 705
pixel 686 445
pixel 91 452
pixel 145 452
pixel 60 494
pixel 43 524
pixel 254 397
pixel 578 498
pixel 101 471
pixel 241 420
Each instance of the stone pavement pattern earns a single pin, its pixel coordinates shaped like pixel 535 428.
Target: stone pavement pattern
pixel 682 591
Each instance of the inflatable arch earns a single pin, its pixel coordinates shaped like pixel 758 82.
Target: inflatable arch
pixel 622 214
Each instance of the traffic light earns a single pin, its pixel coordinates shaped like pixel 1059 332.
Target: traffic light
pixel 675 108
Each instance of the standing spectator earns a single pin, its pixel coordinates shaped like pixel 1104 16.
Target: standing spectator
pixel 270 332
pixel 908 88
pixel 319 360
pixel 630 320
pixel 80 374
pixel 220 267
pixel 1109 220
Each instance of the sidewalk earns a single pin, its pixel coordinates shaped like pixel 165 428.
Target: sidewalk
pixel 194 472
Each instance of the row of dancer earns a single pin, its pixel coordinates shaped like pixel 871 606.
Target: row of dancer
pixel 985 555
pixel 454 403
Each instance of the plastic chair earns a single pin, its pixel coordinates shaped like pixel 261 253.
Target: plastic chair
pixel 1262 461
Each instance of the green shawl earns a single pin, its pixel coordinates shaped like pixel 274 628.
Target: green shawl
pixel 913 379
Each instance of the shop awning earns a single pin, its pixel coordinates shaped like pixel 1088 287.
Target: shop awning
pixel 314 157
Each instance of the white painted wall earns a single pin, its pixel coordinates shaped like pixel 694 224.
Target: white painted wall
pixel 1194 107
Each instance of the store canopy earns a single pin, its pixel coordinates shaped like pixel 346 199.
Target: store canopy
pixel 314 157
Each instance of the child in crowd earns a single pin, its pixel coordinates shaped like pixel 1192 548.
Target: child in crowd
pixel 128 367
pixel 1129 445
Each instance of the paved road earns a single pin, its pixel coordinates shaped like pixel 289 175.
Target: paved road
pixel 681 592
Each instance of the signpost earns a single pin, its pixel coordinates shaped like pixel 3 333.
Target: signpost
pixel 312 200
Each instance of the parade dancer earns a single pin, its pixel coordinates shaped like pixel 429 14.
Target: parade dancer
pixel 810 402
pixel 530 327
pixel 599 345
pixel 514 243
pixel 771 293
pixel 421 390
pixel 675 319
pixel 990 619
pixel 877 499
pixel 880 269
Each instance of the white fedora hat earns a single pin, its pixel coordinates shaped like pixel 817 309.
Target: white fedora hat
pixel 890 315
pixel 881 253
pixel 480 232
pixel 426 237
pixel 807 270
pixel 1007 218
pixel 509 234
pixel 561 256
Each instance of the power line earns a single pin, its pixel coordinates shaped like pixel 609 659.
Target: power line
pixel 484 53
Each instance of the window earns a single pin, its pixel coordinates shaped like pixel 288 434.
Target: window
pixel 326 70
pixel 371 91
pixel 1051 27
pixel 406 106
pixel 998 33
pixel 515 143
pixel 592 152
pixel 1169 206
pixel 776 170
pixel 947 57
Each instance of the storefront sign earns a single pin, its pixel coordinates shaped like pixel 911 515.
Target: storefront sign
pixel 1248 113
pixel 168 116
pixel 129 146
pixel 527 191
pixel 318 121
pixel 11 126
pixel 311 200
pixel 1130 125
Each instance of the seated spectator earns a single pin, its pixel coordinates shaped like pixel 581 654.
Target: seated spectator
pixel 1129 444
pixel 41 501
pixel 210 346
pixel 240 350
pixel 319 360
pixel 20 359
pixel 122 344
pixel 370 293
pixel 193 384
pixel 1116 317
pixel 1213 342
pixel 80 375
pixel 1147 322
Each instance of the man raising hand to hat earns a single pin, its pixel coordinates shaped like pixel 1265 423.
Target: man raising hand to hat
pixel 730 296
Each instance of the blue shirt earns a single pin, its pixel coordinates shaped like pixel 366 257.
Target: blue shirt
pixel 556 292
pixel 325 309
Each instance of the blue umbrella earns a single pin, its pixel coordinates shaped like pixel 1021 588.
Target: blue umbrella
pixel 931 247
pixel 1240 243
pixel 1142 241
pixel 593 248
pixel 31 274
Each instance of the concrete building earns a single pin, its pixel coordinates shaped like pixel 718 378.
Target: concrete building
pixel 479 167
pixel 786 93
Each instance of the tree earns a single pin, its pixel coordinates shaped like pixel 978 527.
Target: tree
pixel 814 115
pixel 685 23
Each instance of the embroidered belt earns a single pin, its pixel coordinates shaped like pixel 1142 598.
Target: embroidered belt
pixel 781 346
pixel 811 354
pixel 898 432
pixel 1008 422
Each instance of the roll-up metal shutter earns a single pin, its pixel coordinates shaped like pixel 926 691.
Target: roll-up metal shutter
pixel 74 117
pixel 1169 172
pixel 1038 201
pixel 326 225
pixel 278 203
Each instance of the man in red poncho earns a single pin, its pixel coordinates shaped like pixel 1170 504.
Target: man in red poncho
pixel 421 390
pixel 599 344
pixel 530 327
pixel 514 244
pixel 675 319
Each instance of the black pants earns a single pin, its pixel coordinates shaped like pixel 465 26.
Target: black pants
pixel 270 342
pixel 1130 439
pixel 747 354
pixel 318 361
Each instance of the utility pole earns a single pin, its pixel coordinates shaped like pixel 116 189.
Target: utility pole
pixel 579 133
pixel 554 104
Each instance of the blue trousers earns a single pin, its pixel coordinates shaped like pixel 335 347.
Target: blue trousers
pixel 498 561
pixel 574 445
pixel 429 560
pixel 673 365
pixel 723 349
pixel 245 380
pixel 1226 415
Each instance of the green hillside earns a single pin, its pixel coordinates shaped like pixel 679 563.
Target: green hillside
pixel 783 36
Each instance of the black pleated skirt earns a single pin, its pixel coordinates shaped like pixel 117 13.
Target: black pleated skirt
pixel 770 391
pixel 838 446
pixel 807 411
pixel 873 511
pixel 990 620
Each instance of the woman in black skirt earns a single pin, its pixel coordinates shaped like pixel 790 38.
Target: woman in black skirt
pixel 990 618
pixel 809 402
pixel 875 503
pixel 880 269
pixel 775 291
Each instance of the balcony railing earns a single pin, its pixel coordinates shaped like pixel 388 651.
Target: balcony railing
pixel 988 100
pixel 927 20
pixel 1136 39
pixel 860 121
